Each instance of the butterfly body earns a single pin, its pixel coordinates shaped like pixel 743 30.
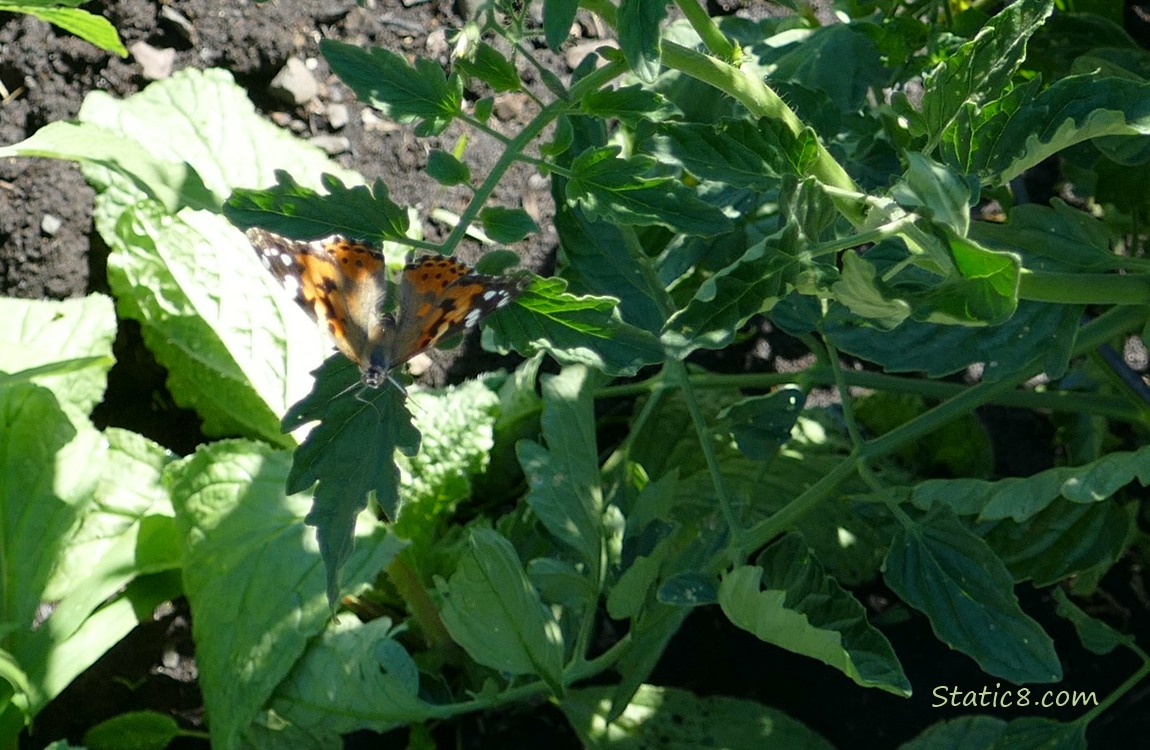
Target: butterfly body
pixel 342 284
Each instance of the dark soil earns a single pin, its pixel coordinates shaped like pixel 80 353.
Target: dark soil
pixel 48 249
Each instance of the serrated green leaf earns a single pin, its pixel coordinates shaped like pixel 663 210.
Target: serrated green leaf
pixel 91 28
pixel 134 730
pixel 252 574
pixel 40 332
pixel 639 34
pixel 791 602
pixel 936 192
pixel 938 567
pixel 618 190
pixel 493 612
pixel 353 664
pixel 1055 238
pixel 657 713
pixel 840 60
pixel 490 66
pixel 736 152
pixel 402 91
pixel 564 477
pixel 573 330
pixel 446 169
pixel 296 211
pixel 507 225
pixel 983 66
pixel 350 453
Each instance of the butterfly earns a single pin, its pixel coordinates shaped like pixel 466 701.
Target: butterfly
pixel 342 284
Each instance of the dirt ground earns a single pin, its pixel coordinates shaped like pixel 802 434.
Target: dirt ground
pixel 48 249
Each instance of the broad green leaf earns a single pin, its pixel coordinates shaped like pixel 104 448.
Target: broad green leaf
pixel 620 190
pixel 862 290
pixel 507 225
pixel 40 332
pixel 292 210
pixel 629 104
pixel 493 612
pixel 564 477
pixel 841 60
pixel 353 664
pixel 402 91
pixel 91 28
pixel 736 152
pixel 677 718
pixel 1055 238
pixel 133 730
pixel 253 575
pixel 791 602
pixel 982 67
pixel 573 330
pixel 983 292
pixel 446 169
pixel 490 66
pixel 650 633
pixel 938 567
pixel 958 733
pixel 206 308
pixel 200 118
pixel 1041 733
pixel 639 34
pixel 173 183
pixel 350 453
pixel 558 15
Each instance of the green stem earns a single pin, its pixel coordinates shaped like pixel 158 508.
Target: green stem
pixel 705 27
pixel 1085 288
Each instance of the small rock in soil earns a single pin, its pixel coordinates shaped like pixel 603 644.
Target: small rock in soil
pixel 50 225
pixel 155 63
pixel 294 83
pixel 331 144
pixel 337 116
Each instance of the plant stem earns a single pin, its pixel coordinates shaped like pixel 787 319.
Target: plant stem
pixel 1085 288
pixel 705 27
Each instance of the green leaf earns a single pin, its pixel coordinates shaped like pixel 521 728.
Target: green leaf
pixel 134 730
pixel 934 191
pixel 1096 636
pixel 37 333
pixel 964 731
pixel 639 34
pixel 173 183
pixel 629 104
pixel 736 151
pixel 507 225
pixel 983 66
pixel 252 575
pixel 727 300
pixel 598 257
pixel 1020 498
pixel 490 66
pixel 558 15
pixel 761 424
pixel 573 330
pixel 965 590
pixel 657 713
pixel 353 664
pixel 840 60
pixel 446 169
pixel 493 612
pixel 350 453
pixel 802 609
pixel 617 190
pixel 1055 238
pixel 91 28
pixel 564 477
pixel 403 92
pixel 203 301
pixel 292 210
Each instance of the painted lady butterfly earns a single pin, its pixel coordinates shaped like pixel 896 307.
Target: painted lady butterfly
pixel 341 283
